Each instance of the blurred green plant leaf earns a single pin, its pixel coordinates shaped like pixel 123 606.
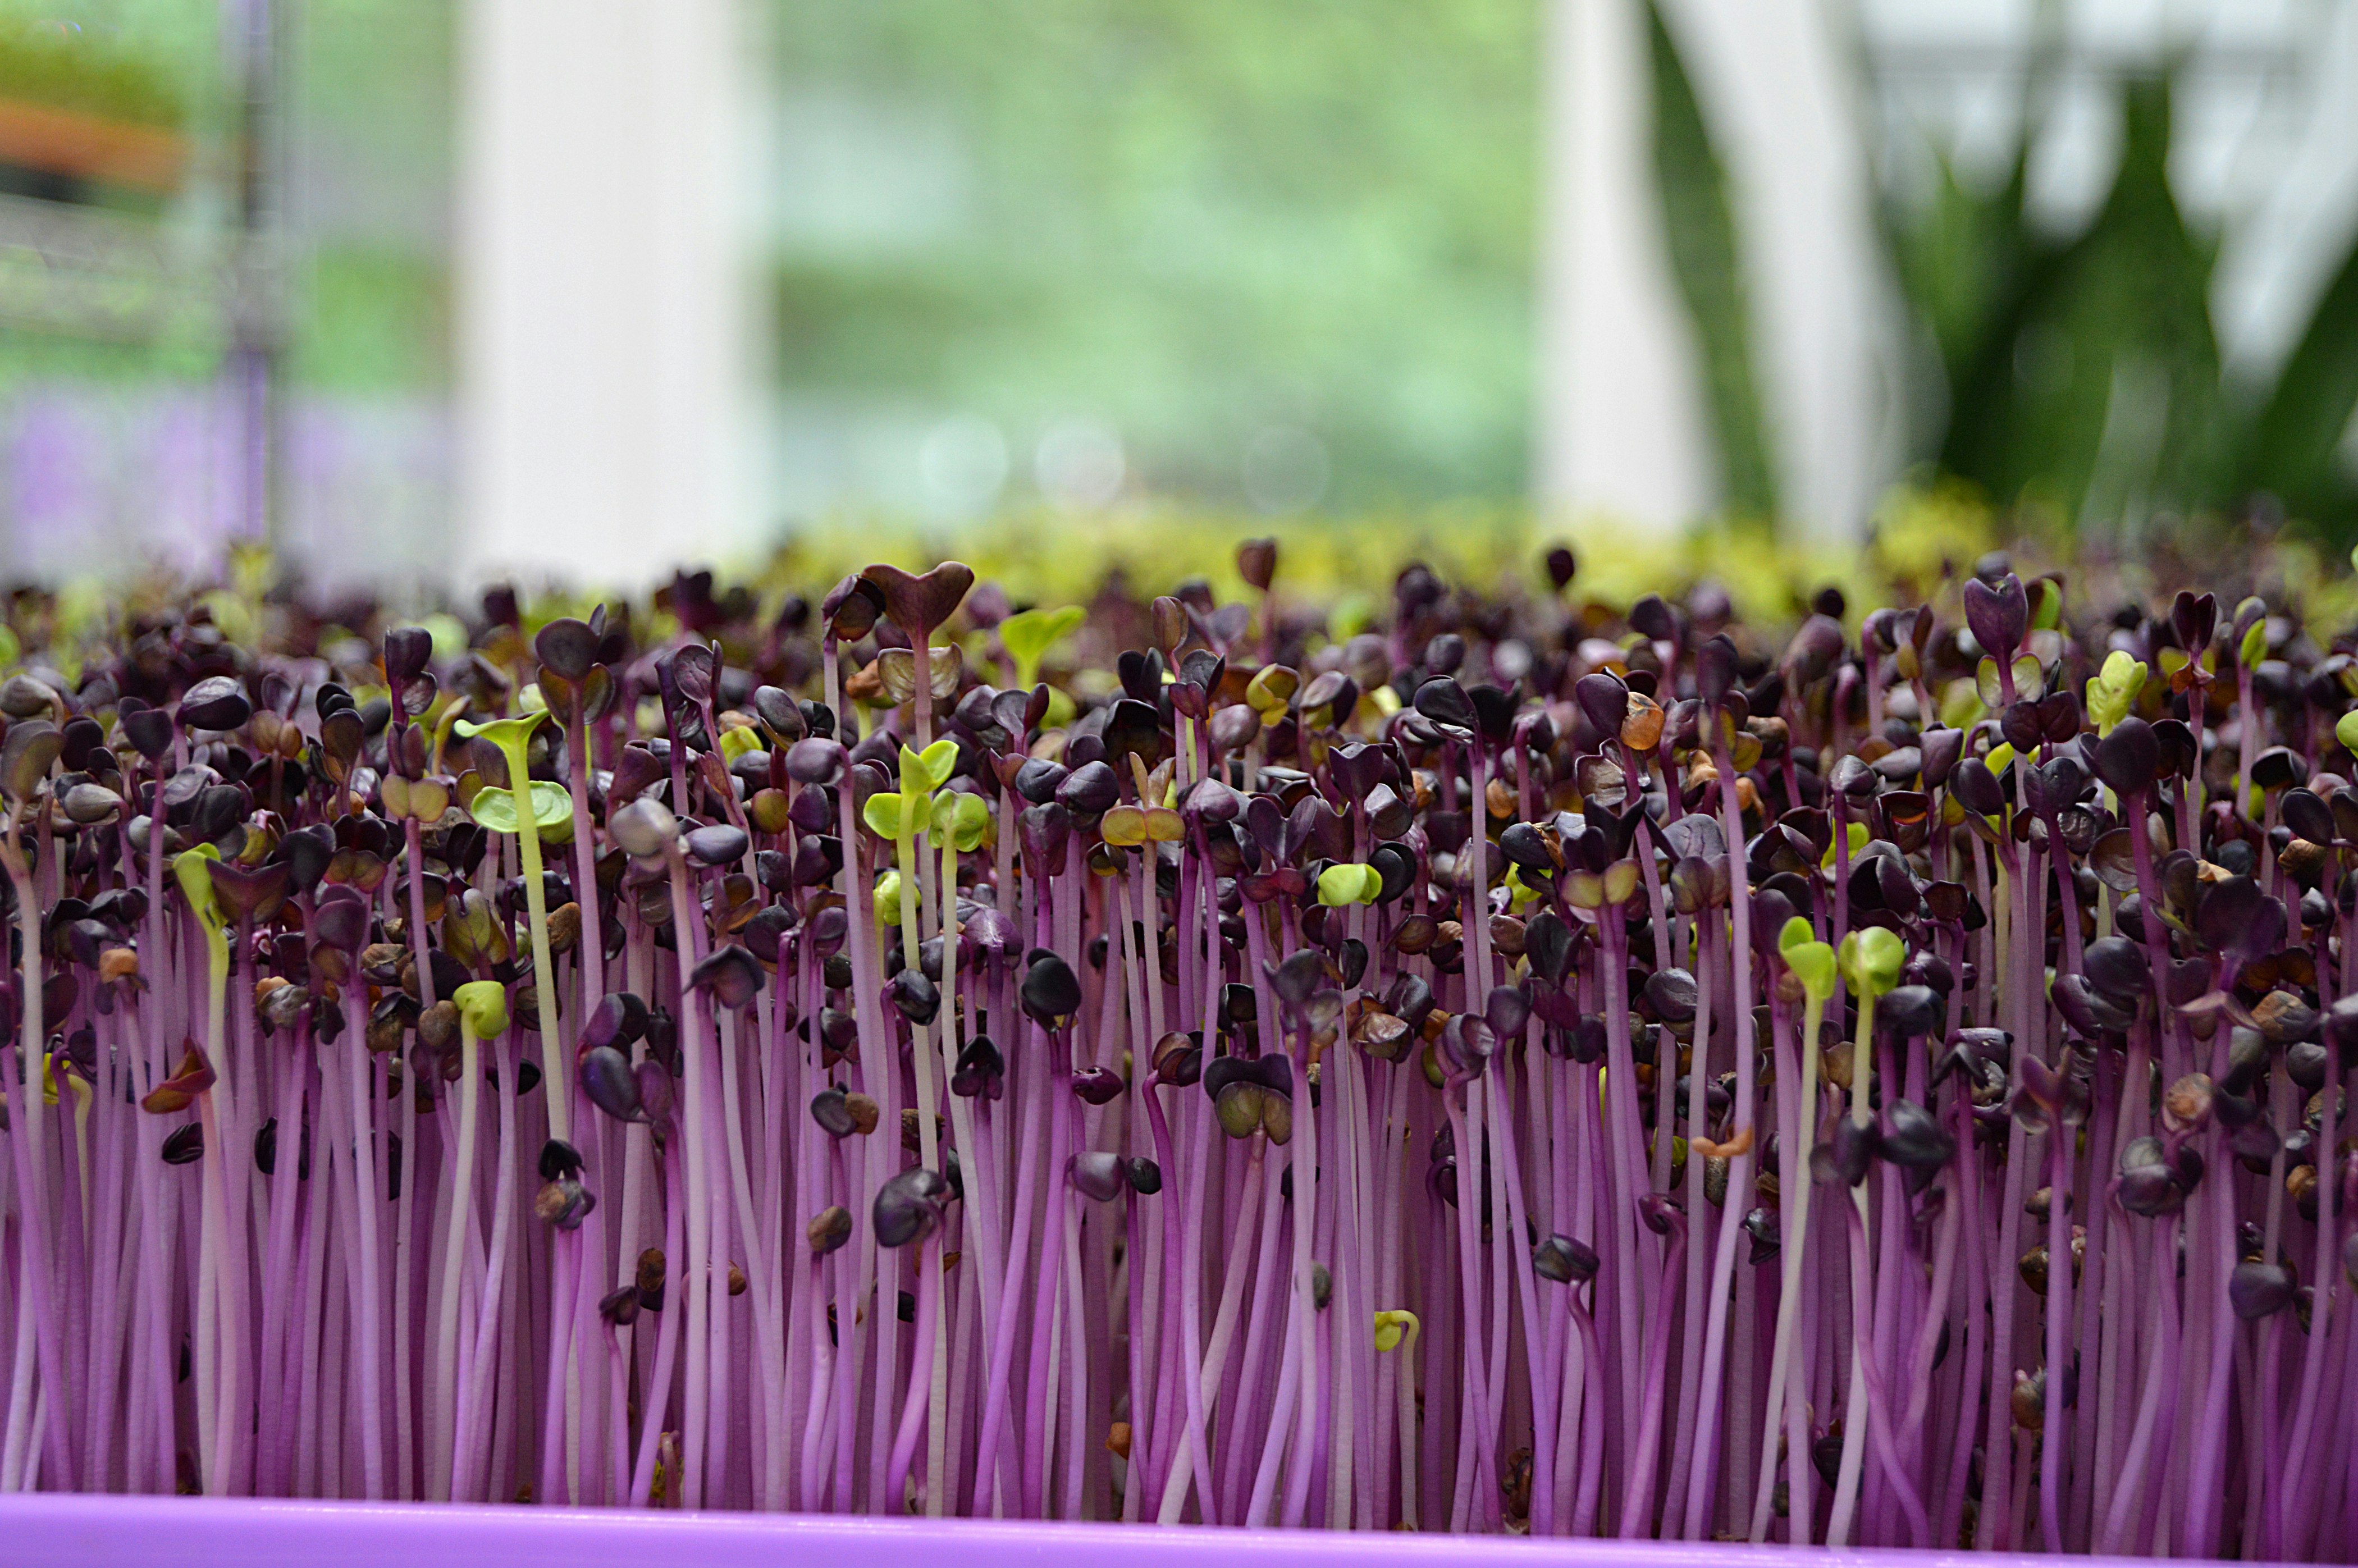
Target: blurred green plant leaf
pixel 1708 261
pixel 1028 634
pixel 1190 217
pixel 2293 449
pixel 1961 259
pixel 2098 389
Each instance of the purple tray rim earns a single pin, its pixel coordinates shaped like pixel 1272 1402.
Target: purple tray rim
pixel 108 1532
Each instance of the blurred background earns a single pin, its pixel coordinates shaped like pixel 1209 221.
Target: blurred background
pixel 408 289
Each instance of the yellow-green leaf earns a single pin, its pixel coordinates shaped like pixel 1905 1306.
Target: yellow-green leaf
pixel 1985 683
pixel 1271 688
pixel 736 741
pixel 193 869
pixel 1814 962
pixel 2123 672
pixel 493 808
pixel 484 1008
pixel 1960 705
pixel 504 733
pixel 964 819
pixel 922 773
pixel 895 816
pixel 1797 932
pixel 2029 679
pixel 1028 634
pixel 1349 883
pixel 1859 837
pixel 2113 690
pixel 1871 960
pixel 2045 605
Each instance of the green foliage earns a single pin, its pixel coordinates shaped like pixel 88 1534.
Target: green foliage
pixel 1192 218
pixel 1812 961
pixel 2296 438
pixel 2113 690
pixel 2098 382
pixel 1028 634
pixel 924 771
pixel 376 86
pixel 494 808
pixel 374 322
pixel 372 83
pixel 1706 259
pixel 194 870
pixel 963 820
pixel 55 58
pixel 896 815
pixel 1349 883
pixel 482 1008
pixel 1962 259
pixel 1870 960
pixel 2082 374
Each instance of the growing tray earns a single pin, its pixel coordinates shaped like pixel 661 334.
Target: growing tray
pixel 89 1531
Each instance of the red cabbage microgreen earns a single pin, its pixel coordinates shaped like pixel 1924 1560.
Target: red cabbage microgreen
pixel 1269 1072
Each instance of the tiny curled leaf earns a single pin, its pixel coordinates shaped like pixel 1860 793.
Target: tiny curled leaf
pixel 193 870
pixel 963 820
pixel 1391 1328
pixel 1797 932
pixel 1812 963
pixel 2123 674
pixel 1871 960
pixel 922 773
pixel 2112 691
pixel 1347 883
pixel 484 1008
pixel 507 734
pixel 1028 634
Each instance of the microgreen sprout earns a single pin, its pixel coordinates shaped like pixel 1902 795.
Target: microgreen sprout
pixel 1362 1067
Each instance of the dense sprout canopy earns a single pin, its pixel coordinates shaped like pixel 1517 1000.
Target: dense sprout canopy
pixel 1492 1059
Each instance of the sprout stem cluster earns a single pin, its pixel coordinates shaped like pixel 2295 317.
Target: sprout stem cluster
pixel 1528 1066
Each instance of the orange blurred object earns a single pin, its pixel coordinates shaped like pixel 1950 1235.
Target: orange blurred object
pixel 85 146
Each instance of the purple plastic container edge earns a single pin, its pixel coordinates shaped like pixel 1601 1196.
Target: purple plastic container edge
pixel 90 1532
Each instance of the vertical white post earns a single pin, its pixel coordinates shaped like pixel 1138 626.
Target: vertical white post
pixel 1620 433
pixel 1781 97
pixel 2282 254
pixel 1622 430
pixel 606 315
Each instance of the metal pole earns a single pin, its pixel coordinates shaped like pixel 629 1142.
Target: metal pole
pixel 257 42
